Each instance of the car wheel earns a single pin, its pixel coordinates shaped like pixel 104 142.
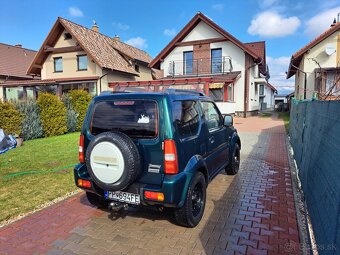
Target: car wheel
pixel 113 161
pixel 192 211
pixel 234 164
pixel 96 200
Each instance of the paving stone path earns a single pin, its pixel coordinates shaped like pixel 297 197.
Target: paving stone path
pixel 250 213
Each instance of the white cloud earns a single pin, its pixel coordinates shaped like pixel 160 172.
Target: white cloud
pixel 120 26
pixel 272 24
pixel 75 12
pixel 169 32
pixel 218 7
pixel 277 68
pixel 320 22
pixel 267 3
pixel 137 42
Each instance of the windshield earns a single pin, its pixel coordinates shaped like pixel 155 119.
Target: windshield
pixel 135 118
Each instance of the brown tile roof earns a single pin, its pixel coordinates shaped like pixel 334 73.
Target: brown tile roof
pixel 14 61
pixel 260 49
pixel 28 83
pixel 155 63
pixel 297 56
pixel 104 50
pixel 157 74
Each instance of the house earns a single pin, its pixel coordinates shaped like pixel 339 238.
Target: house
pixel 266 96
pixel 205 57
pixel 317 66
pixel 14 62
pixel 75 57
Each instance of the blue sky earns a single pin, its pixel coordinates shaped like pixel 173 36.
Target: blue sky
pixel 285 25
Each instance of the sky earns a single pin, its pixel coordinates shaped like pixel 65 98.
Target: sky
pixel 285 25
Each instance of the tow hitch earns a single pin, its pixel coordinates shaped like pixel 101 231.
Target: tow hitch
pixel 117 206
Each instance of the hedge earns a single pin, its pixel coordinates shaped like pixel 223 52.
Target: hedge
pixel 52 114
pixel 80 101
pixel 10 119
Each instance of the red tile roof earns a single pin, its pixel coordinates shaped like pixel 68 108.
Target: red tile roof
pixel 297 56
pixel 105 51
pixel 260 49
pixel 14 60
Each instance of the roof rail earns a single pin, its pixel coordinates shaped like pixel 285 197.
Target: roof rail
pixel 184 91
pixel 109 92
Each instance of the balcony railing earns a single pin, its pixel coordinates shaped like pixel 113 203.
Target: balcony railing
pixel 200 67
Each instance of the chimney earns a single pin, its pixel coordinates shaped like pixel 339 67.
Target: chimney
pixel 95 26
pixel 116 38
pixel 334 22
pixel 18 45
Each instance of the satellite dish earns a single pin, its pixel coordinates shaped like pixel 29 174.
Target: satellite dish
pixel 330 49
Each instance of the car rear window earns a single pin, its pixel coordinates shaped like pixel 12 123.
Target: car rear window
pixel 135 118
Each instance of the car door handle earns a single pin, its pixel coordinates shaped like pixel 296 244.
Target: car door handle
pixel 212 139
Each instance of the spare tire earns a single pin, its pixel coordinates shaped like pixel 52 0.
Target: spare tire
pixel 112 160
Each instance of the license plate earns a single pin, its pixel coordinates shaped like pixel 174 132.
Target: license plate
pixel 121 196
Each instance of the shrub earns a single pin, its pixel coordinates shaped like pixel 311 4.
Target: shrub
pixel 80 101
pixel 72 115
pixel 52 114
pixel 31 123
pixel 10 119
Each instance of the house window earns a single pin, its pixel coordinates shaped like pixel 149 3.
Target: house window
pixel 137 68
pixel 58 64
pixel 67 36
pixel 261 90
pixel 188 57
pixel 216 94
pixel 216 61
pixel 82 62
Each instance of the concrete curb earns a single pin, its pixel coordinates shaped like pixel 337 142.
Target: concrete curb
pixel 301 211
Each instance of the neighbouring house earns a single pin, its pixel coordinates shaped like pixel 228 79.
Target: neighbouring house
pixel 205 57
pixel 75 57
pixel 14 62
pixel 266 96
pixel 317 66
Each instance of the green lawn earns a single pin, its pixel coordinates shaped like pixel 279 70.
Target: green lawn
pixel 286 117
pixel 52 158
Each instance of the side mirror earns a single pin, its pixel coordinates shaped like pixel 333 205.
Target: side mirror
pixel 228 120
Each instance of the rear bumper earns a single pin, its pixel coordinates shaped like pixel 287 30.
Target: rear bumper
pixel 174 187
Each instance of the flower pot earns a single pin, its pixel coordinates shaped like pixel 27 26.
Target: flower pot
pixel 19 141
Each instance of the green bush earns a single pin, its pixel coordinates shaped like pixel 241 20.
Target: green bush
pixel 52 114
pixel 10 119
pixel 31 123
pixel 80 101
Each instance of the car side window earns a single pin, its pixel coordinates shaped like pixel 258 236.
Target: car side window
pixel 211 114
pixel 186 117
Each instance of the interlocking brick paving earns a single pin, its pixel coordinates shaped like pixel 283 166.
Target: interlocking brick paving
pixel 250 213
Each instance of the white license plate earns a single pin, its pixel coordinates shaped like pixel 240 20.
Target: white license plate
pixel 121 196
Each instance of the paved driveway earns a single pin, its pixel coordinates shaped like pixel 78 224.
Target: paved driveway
pixel 250 213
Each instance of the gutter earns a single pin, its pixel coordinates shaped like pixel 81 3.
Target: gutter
pixel 100 82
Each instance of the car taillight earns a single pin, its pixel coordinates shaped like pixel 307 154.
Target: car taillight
pixel 84 183
pixel 81 149
pixel 158 196
pixel 170 157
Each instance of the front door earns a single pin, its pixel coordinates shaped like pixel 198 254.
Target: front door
pixel 217 142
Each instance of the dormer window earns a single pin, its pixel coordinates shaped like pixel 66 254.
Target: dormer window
pixel 137 68
pixel 67 36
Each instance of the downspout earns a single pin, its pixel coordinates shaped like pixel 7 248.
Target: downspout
pixel 305 81
pixel 100 82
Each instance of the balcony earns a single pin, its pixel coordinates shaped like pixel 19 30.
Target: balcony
pixel 199 67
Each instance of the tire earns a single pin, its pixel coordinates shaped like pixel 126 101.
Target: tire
pixel 193 209
pixel 96 200
pixel 234 164
pixel 113 161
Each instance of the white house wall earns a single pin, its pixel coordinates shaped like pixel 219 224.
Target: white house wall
pixel 201 32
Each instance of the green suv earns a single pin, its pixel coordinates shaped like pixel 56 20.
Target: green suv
pixel 155 149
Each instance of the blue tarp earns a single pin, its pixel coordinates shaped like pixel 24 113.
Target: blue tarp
pixel 7 142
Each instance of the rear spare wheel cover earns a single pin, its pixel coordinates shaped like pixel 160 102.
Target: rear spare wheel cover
pixel 107 162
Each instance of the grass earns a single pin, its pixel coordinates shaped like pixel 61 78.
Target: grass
pixel 23 193
pixel 286 117
pixel 265 114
